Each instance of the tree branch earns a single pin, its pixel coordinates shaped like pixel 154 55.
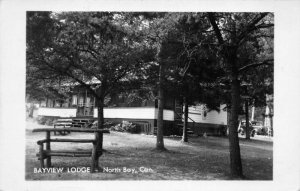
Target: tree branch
pixel 266 62
pixel 82 83
pixel 89 50
pixel 212 20
pixel 64 72
pixel 256 20
pixel 114 82
pixel 251 27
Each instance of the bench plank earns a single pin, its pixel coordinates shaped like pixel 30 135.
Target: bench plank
pixel 67 140
pixel 66 153
pixel 63 124
pixel 71 130
pixel 74 140
pixel 70 151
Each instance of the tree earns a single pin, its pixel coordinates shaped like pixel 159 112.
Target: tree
pixel 100 51
pixel 233 32
pixel 191 63
pixel 158 27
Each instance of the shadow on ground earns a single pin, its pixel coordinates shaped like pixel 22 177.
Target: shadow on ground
pixel 200 159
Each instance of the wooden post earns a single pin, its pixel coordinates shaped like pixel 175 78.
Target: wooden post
pixel 99 148
pixel 41 155
pixel 97 152
pixel 94 158
pixel 48 148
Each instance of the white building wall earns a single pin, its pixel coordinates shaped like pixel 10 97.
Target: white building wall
pixel 195 113
pixel 135 113
pixel 130 113
pixel 168 114
pixel 213 117
pixel 58 112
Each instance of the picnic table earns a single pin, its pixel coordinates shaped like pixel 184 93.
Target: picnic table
pixel 47 153
pixel 71 122
pixel 63 123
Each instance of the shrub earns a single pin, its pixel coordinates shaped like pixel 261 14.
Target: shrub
pixel 41 120
pixel 46 120
pixel 126 126
pixel 49 122
pixel 107 124
pixel 117 127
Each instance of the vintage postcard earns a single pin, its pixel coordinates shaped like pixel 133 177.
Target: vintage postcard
pixel 149 93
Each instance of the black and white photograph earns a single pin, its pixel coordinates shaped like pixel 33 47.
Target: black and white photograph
pixel 183 96
pixel 149 95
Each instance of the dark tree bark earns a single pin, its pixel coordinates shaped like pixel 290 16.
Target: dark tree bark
pixel 185 124
pixel 247 128
pixel 161 101
pixel 235 155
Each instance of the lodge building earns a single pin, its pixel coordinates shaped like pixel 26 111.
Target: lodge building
pixel 118 108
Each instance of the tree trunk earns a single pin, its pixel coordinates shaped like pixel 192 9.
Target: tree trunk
pixel 234 147
pixel 185 124
pixel 161 101
pixel 99 136
pixel 247 128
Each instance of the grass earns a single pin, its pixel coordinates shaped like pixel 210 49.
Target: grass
pixel 200 159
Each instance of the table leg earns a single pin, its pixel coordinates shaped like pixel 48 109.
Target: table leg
pixel 94 164
pixel 41 155
pixel 48 148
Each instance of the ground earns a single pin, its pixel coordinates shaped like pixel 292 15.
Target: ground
pixel 200 159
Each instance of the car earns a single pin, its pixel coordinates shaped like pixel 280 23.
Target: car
pixel 256 128
pixel 242 127
pixel 259 128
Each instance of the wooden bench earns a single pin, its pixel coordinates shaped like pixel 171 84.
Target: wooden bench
pixel 47 153
pixel 72 122
pixel 63 123
pixel 77 122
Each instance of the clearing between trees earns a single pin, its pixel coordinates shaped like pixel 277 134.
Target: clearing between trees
pixel 200 159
